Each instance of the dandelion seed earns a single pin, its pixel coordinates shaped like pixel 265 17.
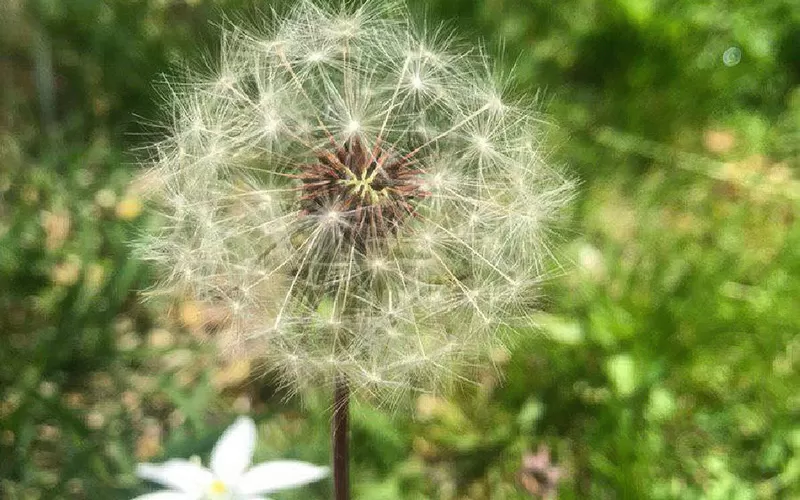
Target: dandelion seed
pixel 362 196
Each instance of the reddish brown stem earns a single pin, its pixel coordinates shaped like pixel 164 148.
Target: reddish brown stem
pixel 340 440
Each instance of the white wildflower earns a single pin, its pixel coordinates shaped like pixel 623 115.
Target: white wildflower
pixel 362 197
pixel 230 476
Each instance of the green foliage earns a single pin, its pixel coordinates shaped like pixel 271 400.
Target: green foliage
pixel 665 365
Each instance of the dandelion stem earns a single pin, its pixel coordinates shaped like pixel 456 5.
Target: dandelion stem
pixel 340 440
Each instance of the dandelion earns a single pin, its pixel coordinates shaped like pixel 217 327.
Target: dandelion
pixel 363 197
pixel 228 477
pixel 360 196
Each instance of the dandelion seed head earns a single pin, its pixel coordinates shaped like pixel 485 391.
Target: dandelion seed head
pixel 316 56
pixel 353 127
pixel 359 195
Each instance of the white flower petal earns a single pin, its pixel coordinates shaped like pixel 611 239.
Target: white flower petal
pixel 278 475
pixel 233 452
pixel 167 495
pixel 182 475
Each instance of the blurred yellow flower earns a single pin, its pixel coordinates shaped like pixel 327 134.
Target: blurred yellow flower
pixel 129 208
pixel 67 272
pixel 56 226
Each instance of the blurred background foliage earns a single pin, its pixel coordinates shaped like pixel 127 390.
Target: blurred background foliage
pixel 665 361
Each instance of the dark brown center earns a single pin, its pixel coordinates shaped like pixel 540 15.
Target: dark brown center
pixel 366 193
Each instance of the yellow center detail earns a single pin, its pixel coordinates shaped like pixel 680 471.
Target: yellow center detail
pixel 363 187
pixel 217 487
